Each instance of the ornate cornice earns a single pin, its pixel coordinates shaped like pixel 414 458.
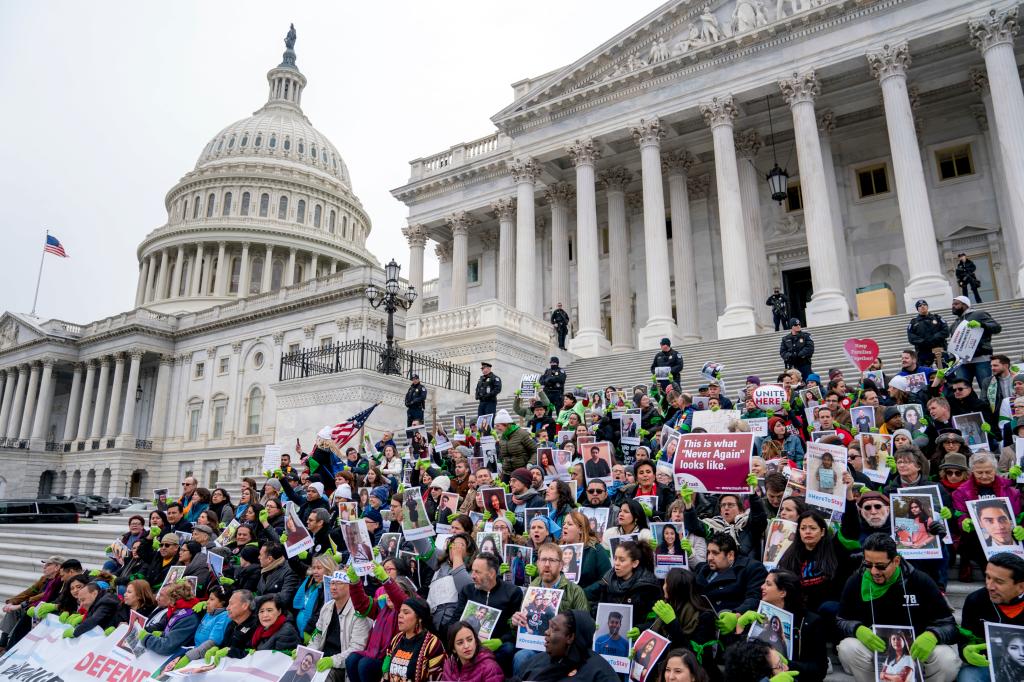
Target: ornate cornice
pixel 416 235
pixel 615 179
pixel 505 208
pixel 996 28
pixel 719 111
pixel 583 152
pixel 891 60
pixel 677 162
pixel 800 88
pixel 649 132
pixel 524 170
pixel 560 193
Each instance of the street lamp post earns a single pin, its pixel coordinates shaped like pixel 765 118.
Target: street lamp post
pixel 391 298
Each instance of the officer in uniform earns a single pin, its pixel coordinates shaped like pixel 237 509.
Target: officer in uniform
pixel 928 333
pixel 488 386
pixel 560 320
pixel 415 399
pixel 553 381
pixel 797 349
pixel 668 357
pixel 780 309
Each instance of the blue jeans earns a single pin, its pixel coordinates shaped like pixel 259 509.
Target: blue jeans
pixel 520 660
pixel 363 668
pixel 982 371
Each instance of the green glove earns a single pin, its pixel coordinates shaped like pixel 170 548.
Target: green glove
pixel 283 538
pixel 986 427
pixel 1018 533
pixel 923 646
pixel 337 557
pixel 973 655
pixel 108 549
pixel 31 611
pixel 45 608
pixel 870 639
pixel 303 555
pixel 787 676
pixel 686 545
pixel 380 574
pixel 890 462
pixel 264 516
pixel 76 620
pixel 686 495
pixel 654 543
pixel 226 581
pixel 307 637
pixel 786 406
pixel 510 517
pixel 350 573
pixel 210 655
pixel 491 644
pixel 853 432
pixel 503 569
pixel 156 501
pixel 487 516
pixel 749 617
pixel 945 513
pixel 519 392
pixel 156 545
pixel 142 636
pixel 752 479
pixel 727 622
pixel 154 532
pixel 1015 471
pixel 968 525
pixel 974 324
pixel 157 633
pixel 94 573
pixel 859 488
pixel 531 570
pixel 633 633
pixel 663 610
pixel 69 633
pixel 182 662
pixel 647 509
pixel 452 517
pixel 278 473
pixel 109 630
pixel 199 607
pixel 376 552
pixel 324 663
pixel 214 655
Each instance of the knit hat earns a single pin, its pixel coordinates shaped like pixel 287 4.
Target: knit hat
pixel 442 482
pixel 813 377
pixel 420 608
pixel 1018 379
pixel 963 299
pixel 522 474
pixel 954 460
pixel 666 341
pixel 502 417
pixel 900 384
pixel 373 515
pixel 873 495
pixel 250 554
pixel 344 491
pixel 902 432
pixel 754 380
pixel 794 322
pixel 890 412
pixel 318 487
pixel 833 373
pixel 381 493
pixel 772 422
pixel 274 483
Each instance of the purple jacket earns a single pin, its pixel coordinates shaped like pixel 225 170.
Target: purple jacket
pixel 483 668
pixel 968 490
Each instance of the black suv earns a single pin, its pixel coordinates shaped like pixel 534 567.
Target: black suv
pixel 38 511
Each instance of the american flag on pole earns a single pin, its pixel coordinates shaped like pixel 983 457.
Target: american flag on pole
pixel 342 433
pixel 54 246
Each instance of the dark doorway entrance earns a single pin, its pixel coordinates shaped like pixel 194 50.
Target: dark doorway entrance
pixel 798 289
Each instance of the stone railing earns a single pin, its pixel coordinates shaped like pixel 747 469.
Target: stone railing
pixel 486 314
pixel 138 316
pixel 429 289
pixel 458 155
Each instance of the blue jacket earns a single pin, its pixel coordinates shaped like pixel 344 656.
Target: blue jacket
pixel 306 603
pixel 179 632
pixel 212 627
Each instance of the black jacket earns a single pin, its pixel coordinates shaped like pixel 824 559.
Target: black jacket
pixel 965 273
pixel 796 349
pixel 779 304
pixel 641 590
pixel 488 387
pixel 736 589
pixel 927 331
pixel 560 318
pixel 670 359
pixel 416 397
pixel 102 614
pixel 238 637
pixel 580 663
pixel 810 652
pixel 505 596
pixel 553 382
pixel 285 639
pixel 281 580
pixel 990 326
pixel 914 600
pixel 979 609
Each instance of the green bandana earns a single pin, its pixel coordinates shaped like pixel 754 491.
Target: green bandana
pixel 870 590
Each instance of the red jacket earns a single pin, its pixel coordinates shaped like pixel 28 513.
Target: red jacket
pixel 968 490
pixel 483 668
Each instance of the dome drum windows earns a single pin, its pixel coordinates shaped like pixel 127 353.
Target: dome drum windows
pixel 245 140
pixel 245 204
pixel 195 208
pixel 300 211
pixel 302 148
pixel 287 143
pixel 318 211
pixel 226 208
pixel 282 208
pixel 312 151
pixel 231 142
pixel 264 205
pixel 210 201
pixel 273 141
pixel 330 222
pixel 258 141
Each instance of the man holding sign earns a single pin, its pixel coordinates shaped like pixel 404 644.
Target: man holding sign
pixel 976 364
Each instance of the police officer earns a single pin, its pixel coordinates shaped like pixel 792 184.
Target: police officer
pixel 928 333
pixel 667 357
pixel 488 386
pixel 415 399
pixel 560 320
pixel 780 309
pixel 553 380
pixel 965 277
pixel 797 349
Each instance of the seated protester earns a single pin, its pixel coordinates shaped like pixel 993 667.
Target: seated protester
pixel 272 518
pixel 631 580
pixel 176 520
pixel 781 444
pixel 629 519
pixel 246 497
pixel 275 631
pixel 524 496
pixel 136 532
pixel 732 583
pixel 382 612
pixel 138 596
pixel 754 659
pixel 746 527
pixel 239 633
pixel 982 482
pixel 559 502
pixel 354 463
pixel 781 589
pixel 687 619
pixel 67 600
pixel 596 561
pixel 1012 431
pixel 100 610
pixel 451 576
pixel 220 504
pixel 1000 601
pixel 889 591
pixel 467 661
pixel 814 557
pixel 276 577
pixel 415 654
pixel 246 575
pixel 912 469
pixel 487 588
pixel 204 535
pixel 309 597
pixel 964 401
pixel 644 472
pixel 176 621
pixel 570 406
pixel 160 561
pixel 827 422
pixel 43 591
pixel 313 498
pixel 190 555
pixel 210 519
pixel 695 546
pixel 775 484
pixel 568 653
pixel 215 619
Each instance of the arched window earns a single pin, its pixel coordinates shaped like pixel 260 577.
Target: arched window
pixel 258 141
pixel 245 203
pixel 186 268
pixel 226 208
pixel 300 274
pixel 312 151
pixel 282 208
pixel 245 140
pixel 273 141
pixel 195 208
pixel 264 205
pixel 255 412
pixel 287 143
pixel 256 275
pixel 302 148
pixel 330 222
pixel 231 142
pixel 220 144
pixel 300 211
pixel 318 212
pixel 236 273
pixel 324 157
pixel 210 201
pixel 276 274
pixel 184 213
pixel 344 226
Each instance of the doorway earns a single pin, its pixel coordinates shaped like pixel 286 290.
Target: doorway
pixel 983 264
pixel 798 289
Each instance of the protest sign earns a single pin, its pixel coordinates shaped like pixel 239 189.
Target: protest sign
pixel 714 463
pixel 932 491
pixel 769 397
pixel 216 564
pixel 647 649
pixel 896 663
pixel 360 550
pixel 861 352
pixel 712 370
pixel 963 342
pixel 825 466
pixel 228 534
pixel 572 561
pixel 610 641
pixel 993 522
pixel 970 425
pixel 874 449
pixel 298 538
pixel 517 557
pixel 485 616
pixel 629 428
pixel 597 517
pixel 540 605
pixel 663 373
pixel 779 536
pixel 271 457
pixel 910 517
pixel 527 390
pixel 1004 647
pixel 668 552
pixel 758 425
pixel 777 632
pixel 416 523
pixel 714 421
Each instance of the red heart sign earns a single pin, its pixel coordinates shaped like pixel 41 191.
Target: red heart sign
pixel 861 352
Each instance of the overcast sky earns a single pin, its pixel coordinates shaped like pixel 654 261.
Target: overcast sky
pixel 107 105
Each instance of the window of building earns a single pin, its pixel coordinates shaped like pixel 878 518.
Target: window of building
pixel 256 275
pixel 300 211
pixel 300 274
pixel 287 143
pixel 312 151
pixel 327 342
pixel 872 181
pixel 213 276
pixel 570 251
pixel 220 408
pixel 276 274
pixel 344 226
pixel 195 209
pixel 302 148
pixel 794 197
pixel 330 222
pixel 231 142
pixel 473 272
pixel 220 144
pixel 318 211
pixel 210 201
pixel 200 370
pixel 954 162
pixel 222 365
pixel 293 347
pixel 245 140
pixel 245 203
pixel 226 208
pixel 184 211
pixel 604 241
pixel 195 411
pixel 258 141
pixel 273 141
pixel 255 412
pixel 257 359
pixel 282 208
pixel 236 274
pixel 264 205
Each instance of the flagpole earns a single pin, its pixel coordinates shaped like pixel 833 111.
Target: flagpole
pixel 42 259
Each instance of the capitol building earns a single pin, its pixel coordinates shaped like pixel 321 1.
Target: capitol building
pixel 629 186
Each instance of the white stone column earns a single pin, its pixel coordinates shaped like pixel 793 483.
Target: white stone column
pixel 738 317
pixel 198 271
pixel 826 126
pixel 161 278
pixel 18 404
pixel 993 35
pixel 615 181
pixel 289 273
pixel 44 403
pixel 925 279
pixel 220 284
pixel 268 269
pixel 505 208
pixel 677 165
pixel 30 403
pixel 243 272
pixel 150 294
pixel 560 196
pixel 524 175
pixel 161 392
pixel 128 420
pixel 748 143
pixel 459 224
pixel 828 305
pixel 74 404
pixel 314 260
pixel 179 264
pixel 589 341
pixel 334 267
pixel 8 398
pixel 140 290
pixel 205 287
pixel 114 412
pixel 100 408
pixel 82 432
pixel 416 235
pixel 659 323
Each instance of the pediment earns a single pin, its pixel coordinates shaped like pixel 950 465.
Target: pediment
pixel 17 329
pixel 970 231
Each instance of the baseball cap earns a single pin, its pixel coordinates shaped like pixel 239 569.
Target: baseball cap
pixel 963 299
pixel 920 303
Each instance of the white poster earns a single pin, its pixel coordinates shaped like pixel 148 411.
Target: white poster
pixel 271 457
pixel 825 465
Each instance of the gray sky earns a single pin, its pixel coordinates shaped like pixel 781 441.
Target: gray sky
pixel 108 104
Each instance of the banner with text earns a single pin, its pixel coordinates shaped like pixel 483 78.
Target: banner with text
pixel 714 462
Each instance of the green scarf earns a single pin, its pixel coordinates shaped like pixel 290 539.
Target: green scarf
pixel 509 430
pixel 870 590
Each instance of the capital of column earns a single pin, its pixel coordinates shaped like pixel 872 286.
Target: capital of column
pixel 136 353
pixel 505 207
pixel 222 244
pixel 78 367
pixel 104 361
pixel 583 152
pixel 748 143
pixel 719 111
pixel 560 194
pixel 443 251
pixel 48 362
pixel 699 187
pixel 648 133
pixel 980 116
pixel 827 122
pixel 524 170
pixel 415 234
pixel 167 360
pixel 891 60
pixel 800 88
pixel 635 202
pixel 677 162
pixel 978 79
pixel 459 222
pixel 999 26
pixel 615 179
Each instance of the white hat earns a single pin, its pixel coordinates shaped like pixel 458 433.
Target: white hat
pixel 324 433
pixel 442 482
pixel 502 417
pixel 344 491
pixel 318 487
pixel 900 384
pixel 963 299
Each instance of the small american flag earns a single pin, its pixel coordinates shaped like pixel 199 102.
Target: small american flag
pixel 343 432
pixel 54 246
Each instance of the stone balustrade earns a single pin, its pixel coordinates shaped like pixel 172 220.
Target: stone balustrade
pixel 479 316
pixel 458 155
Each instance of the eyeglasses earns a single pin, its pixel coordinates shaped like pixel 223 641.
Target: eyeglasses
pixel 595 491
pixel 957 389
pixel 167 544
pixel 868 566
pixel 873 507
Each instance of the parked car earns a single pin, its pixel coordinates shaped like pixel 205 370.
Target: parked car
pixel 38 511
pixel 120 503
pixel 102 503
pixel 91 508
pixel 139 508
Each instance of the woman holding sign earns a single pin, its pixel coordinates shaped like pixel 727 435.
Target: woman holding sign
pixel 781 589
pixel 781 444
pixel 631 580
pixel 687 619
pixel 814 557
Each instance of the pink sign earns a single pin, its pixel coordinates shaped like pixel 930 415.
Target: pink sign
pixel 861 352
pixel 769 396
pixel 714 462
